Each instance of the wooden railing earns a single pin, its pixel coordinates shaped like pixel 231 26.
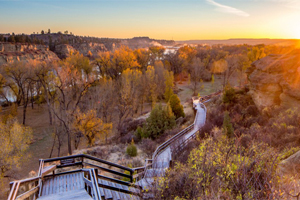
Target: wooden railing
pixel 164 145
pixel 71 164
pixel 91 183
pixel 84 161
pixel 161 148
pixel 182 145
pixel 31 186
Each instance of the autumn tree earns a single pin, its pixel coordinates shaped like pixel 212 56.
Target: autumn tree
pixel 142 57
pixel 174 63
pixel 219 66
pixel 104 64
pixel 242 64
pixel 113 64
pixel 255 53
pixel 14 141
pixel 91 127
pixel 127 96
pixel 156 54
pixel 160 78
pixel 151 78
pixel 2 84
pixel 19 79
pixel 72 84
pixel 122 59
pixel 187 55
pixel 169 84
pixel 197 73
pixel 232 65
pixel 45 76
pixel 103 98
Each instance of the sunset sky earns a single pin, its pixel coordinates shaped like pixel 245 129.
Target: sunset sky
pixel 160 19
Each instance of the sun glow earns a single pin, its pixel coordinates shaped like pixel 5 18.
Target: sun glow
pixel 289 25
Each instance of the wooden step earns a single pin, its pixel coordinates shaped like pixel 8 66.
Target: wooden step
pixel 63 183
pixel 74 195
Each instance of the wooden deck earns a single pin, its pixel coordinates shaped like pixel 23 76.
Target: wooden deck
pixel 63 183
pixel 73 194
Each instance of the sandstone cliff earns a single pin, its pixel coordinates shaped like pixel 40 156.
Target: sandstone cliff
pixel 275 80
pixel 64 50
pixel 24 52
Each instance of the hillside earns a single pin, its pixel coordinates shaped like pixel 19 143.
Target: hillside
pixel 281 42
pixel 24 52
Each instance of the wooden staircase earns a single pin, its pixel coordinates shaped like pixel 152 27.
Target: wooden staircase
pixel 78 177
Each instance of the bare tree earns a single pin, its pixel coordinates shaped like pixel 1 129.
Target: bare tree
pixel 72 85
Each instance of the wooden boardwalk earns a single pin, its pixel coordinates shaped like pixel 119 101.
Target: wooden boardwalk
pixel 63 183
pixel 161 160
pixel 80 194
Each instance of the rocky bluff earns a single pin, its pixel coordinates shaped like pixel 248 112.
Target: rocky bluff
pixel 275 80
pixel 24 52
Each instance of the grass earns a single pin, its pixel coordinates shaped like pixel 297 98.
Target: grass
pixel 207 88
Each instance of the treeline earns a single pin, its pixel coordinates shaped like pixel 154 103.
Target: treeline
pixel 20 38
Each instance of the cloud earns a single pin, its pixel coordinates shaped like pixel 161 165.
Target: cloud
pixel 228 9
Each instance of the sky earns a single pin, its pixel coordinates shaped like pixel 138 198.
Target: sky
pixel 159 19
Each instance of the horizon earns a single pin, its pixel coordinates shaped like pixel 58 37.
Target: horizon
pixel 123 38
pixel 177 20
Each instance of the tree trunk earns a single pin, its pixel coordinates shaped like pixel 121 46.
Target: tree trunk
pixel 52 146
pixel 69 143
pixel 32 97
pixel 24 113
pixel 50 114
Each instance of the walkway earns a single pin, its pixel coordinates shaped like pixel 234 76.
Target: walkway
pixel 162 161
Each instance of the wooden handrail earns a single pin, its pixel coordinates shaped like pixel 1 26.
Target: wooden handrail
pixel 92 183
pixel 160 148
pixel 88 157
pixel 43 171
pixel 109 170
pixel 28 193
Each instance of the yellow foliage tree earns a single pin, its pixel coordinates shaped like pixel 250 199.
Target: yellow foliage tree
pixel 169 82
pixel 151 78
pixel 14 141
pixel 91 126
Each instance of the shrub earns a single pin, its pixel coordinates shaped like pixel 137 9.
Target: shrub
pixel 222 169
pixel 148 146
pixel 229 95
pixel 131 150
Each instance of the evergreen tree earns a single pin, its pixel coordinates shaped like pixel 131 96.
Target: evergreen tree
pixel 227 125
pixel 160 119
pixel 176 106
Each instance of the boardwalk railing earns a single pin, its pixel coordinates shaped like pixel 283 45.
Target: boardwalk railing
pixel 32 188
pixel 91 183
pixel 164 145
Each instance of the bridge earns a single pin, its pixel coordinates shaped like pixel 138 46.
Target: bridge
pixel 86 177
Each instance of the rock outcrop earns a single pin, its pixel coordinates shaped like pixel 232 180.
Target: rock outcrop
pixel 24 52
pixel 275 80
pixel 64 50
pixel 291 165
